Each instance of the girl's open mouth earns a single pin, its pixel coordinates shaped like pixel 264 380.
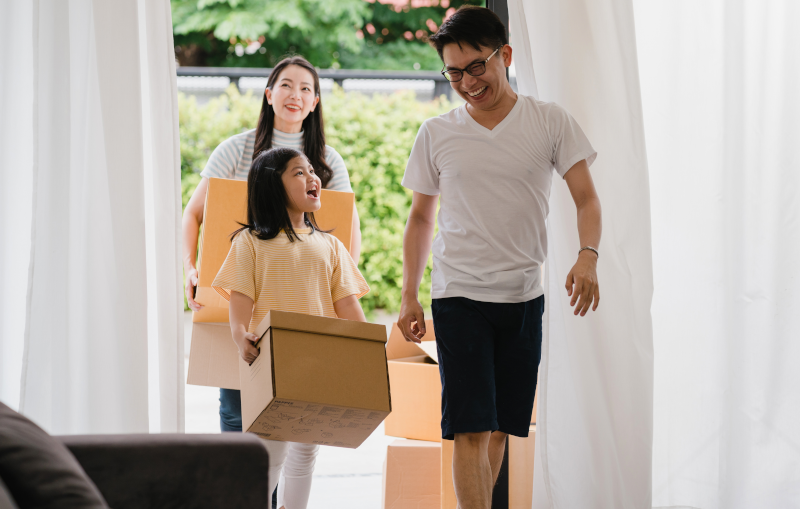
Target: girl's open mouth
pixel 312 193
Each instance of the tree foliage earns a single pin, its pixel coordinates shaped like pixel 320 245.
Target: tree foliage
pixel 352 34
pixel 374 135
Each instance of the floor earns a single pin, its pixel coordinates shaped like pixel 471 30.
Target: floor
pixel 343 478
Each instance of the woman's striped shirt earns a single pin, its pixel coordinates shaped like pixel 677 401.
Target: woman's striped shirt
pixel 232 158
pixel 305 276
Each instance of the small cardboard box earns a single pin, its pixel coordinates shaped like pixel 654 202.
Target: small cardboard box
pixel 213 355
pixel 417 388
pixel 226 207
pixel 520 472
pixel 411 475
pixel 316 381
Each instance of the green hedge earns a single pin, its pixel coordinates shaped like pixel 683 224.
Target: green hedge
pixel 374 135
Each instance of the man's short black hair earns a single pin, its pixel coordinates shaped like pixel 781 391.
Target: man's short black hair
pixel 476 26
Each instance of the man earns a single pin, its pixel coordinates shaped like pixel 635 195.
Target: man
pixel 491 162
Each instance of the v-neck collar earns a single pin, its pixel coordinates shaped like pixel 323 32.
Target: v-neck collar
pixel 491 133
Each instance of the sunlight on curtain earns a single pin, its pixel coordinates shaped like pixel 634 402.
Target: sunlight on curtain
pixel 16 150
pixel 103 124
pixel 594 422
pixel 720 83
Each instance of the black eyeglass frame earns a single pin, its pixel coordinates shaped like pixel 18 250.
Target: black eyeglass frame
pixel 466 70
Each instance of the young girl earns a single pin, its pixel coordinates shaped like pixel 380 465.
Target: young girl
pixel 281 260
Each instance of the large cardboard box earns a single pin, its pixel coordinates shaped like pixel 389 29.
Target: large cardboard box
pixel 416 387
pixel 316 381
pixel 225 208
pixel 411 475
pixel 520 472
pixel 213 355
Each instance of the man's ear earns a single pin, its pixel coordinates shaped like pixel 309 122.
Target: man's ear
pixel 506 53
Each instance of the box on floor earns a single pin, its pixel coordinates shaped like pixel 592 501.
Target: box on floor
pixel 316 380
pixel 412 475
pixel 418 474
pixel 213 355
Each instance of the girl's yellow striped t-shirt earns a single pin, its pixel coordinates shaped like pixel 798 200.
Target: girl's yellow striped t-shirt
pixel 305 276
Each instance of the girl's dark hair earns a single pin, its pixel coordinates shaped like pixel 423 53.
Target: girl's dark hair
pixel 267 199
pixel 313 128
pixel 473 25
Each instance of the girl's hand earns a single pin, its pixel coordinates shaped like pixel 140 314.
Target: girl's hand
pixel 191 283
pixel 244 342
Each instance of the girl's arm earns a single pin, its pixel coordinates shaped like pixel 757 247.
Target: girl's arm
pixel 192 219
pixel 347 308
pixel 240 312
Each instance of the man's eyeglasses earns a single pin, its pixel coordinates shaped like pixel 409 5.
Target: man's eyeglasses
pixel 474 69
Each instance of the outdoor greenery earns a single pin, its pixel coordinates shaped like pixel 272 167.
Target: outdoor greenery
pixel 350 34
pixel 374 135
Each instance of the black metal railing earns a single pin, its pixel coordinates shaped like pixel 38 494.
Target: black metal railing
pixel 441 85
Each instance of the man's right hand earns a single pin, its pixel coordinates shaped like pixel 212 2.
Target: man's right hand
pixel 191 283
pixel 412 319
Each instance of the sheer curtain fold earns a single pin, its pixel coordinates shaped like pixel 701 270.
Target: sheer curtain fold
pixel 594 422
pixel 722 117
pixel 102 118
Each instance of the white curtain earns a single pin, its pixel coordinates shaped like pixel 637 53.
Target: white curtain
pixel 594 422
pixel 90 216
pixel 720 82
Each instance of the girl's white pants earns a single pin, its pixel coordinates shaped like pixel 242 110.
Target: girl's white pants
pixel 293 463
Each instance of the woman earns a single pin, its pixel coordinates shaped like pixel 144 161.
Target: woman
pixel 291 116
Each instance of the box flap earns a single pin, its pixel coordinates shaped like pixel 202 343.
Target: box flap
pixel 398 347
pixel 321 325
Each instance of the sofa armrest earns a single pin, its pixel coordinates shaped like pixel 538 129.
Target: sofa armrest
pixel 175 470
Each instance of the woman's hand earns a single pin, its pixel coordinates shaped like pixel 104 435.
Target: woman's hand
pixel 191 284
pixel 245 342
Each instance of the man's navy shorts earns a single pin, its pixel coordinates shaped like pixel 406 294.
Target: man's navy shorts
pixel 488 359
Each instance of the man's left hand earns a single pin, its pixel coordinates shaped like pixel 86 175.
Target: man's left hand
pixel 582 283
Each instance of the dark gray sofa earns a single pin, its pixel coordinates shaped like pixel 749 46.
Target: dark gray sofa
pixel 128 471
pixel 172 471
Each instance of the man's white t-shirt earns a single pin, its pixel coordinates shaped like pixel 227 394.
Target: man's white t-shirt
pixel 494 187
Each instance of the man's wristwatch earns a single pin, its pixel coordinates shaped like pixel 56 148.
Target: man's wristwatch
pixel 590 248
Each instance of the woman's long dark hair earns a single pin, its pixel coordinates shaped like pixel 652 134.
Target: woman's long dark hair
pixel 313 128
pixel 267 198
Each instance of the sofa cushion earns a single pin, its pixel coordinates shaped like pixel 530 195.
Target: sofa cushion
pixel 38 470
pixel 5 498
pixel 176 470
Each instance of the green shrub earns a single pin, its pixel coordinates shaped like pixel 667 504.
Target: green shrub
pixel 374 135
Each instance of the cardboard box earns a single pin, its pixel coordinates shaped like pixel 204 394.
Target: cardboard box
pixel 213 356
pixel 520 469
pixel 316 381
pixel 226 207
pixel 417 388
pixel 411 475
pixel 520 472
